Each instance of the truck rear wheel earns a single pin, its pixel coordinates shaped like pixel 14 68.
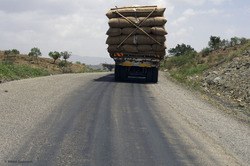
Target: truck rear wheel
pixel 149 76
pixel 155 75
pixel 123 73
pixel 117 73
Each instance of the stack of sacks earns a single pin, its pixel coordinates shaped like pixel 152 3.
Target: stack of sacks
pixel 138 42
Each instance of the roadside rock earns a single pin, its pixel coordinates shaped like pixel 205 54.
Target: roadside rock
pixel 231 79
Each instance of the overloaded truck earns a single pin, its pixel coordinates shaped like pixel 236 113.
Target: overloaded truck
pixel 136 41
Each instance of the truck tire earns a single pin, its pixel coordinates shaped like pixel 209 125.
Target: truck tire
pixel 155 75
pixel 117 73
pixel 149 77
pixel 123 73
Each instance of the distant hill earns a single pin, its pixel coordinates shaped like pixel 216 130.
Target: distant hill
pixel 96 67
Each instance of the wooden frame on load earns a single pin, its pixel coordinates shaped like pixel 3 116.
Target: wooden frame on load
pixel 137 27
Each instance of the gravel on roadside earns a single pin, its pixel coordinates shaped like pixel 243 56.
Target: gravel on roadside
pixel 222 128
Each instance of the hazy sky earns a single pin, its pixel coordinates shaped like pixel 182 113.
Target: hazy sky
pixel 80 26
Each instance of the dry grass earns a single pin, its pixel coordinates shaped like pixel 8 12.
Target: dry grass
pixel 44 63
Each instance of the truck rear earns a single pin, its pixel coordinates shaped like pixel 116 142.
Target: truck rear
pixel 136 41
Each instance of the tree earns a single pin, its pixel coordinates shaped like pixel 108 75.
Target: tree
pixel 65 55
pixel 243 40
pixel 235 41
pixel 35 52
pixel 10 56
pixel 214 42
pixel 181 50
pixel 55 55
pixel 15 51
pixel 7 53
pixel 224 44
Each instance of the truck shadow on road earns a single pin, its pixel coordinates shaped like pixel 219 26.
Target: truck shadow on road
pixel 111 78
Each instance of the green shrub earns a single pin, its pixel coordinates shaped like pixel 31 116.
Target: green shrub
pixel 210 59
pixel 220 57
pixel 178 76
pixel 200 60
pixel 195 70
pixel 205 52
pixel 62 64
pixel 182 73
pixel 11 72
pixel 178 61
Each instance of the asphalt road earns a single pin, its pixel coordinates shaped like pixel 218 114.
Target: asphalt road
pixel 88 119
